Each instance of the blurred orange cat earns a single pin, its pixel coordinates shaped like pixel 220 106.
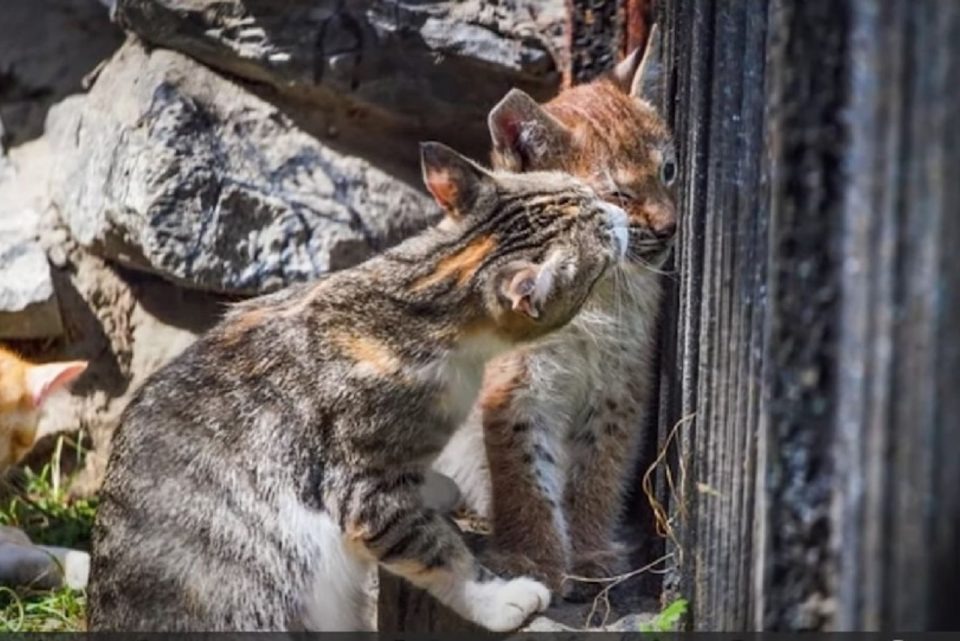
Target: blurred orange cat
pixel 24 388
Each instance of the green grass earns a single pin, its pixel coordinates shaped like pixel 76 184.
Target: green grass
pixel 669 618
pixel 46 513
pixel 25 610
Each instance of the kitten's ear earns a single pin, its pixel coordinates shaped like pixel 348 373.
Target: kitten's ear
pixel 641 75
pixel 453 180
pixel 524 134
pixel 44 380
pixel 526 286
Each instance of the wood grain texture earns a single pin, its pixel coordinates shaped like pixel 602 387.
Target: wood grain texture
pixel 810 331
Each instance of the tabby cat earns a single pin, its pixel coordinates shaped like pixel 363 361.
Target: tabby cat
pixel 284 451
pixel 561 422
pixel 24 390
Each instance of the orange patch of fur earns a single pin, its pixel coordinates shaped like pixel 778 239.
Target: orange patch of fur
pixel 243 323
pixel 462 265
pixel 368 352
pixel 17 415
pixel 13 383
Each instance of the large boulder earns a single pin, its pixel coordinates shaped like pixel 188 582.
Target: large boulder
pixel 435 66
pixel 169 168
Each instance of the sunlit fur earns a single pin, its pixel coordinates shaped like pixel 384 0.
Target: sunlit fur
pixel 256 480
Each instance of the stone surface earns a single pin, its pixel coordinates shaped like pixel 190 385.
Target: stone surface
pixel 28 305
pixel 169 168
pixel 40 566
pixel 126 324
pixel 46 48
pixel 434 66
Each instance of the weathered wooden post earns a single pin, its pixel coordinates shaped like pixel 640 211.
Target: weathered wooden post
pixel 814 339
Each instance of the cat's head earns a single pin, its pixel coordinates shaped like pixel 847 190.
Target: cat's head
pixel 24 389
pixel 532 245
pixel 609 133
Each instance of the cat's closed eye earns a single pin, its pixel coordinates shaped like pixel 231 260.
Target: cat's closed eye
pixel 620 194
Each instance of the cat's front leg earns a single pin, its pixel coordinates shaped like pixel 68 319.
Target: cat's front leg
pixel 391 525
pixel 604 450
pixel 527 474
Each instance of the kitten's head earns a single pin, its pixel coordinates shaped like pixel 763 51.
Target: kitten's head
pixel 532 245
pixel 24 388
pixel 610 134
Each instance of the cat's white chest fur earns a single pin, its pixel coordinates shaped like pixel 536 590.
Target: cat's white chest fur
pixel 460 373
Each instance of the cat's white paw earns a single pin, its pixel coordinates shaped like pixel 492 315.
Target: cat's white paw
pixel 502 606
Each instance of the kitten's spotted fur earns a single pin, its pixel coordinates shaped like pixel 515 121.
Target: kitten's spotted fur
pixel 24 390
pixel 562 421
pixel 256 479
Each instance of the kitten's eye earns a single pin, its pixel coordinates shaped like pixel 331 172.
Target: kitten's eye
pixel 668 172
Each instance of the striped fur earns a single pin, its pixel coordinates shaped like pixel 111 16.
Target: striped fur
pixel 562 422
pixel 256 480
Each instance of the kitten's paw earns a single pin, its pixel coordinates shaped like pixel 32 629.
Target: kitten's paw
pixel 601 565
pixel 504 605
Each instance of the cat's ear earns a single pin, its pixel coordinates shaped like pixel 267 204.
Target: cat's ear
pixel 641 74
pixel 524 135
pixel 525 286
pixel 44 380
pixel 454 180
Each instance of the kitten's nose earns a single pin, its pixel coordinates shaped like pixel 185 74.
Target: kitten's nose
pixel 662 219
pixel 667 231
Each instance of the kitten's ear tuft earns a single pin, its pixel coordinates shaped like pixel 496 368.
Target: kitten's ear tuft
pixel 452 179
pixel 524 135
pixel 641 75
pixel 44 380
pixel 626 69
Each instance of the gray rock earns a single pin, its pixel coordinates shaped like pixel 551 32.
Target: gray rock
pixel 433 66
pixel 40 566
pixel 169 168
pixel 28 305
pixel 46 49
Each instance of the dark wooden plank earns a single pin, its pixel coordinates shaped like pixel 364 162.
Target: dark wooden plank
pixel 899 414
pixel 813 324
pixel 716 51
